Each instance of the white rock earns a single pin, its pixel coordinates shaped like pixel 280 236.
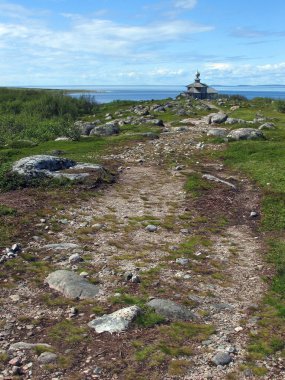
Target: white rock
pixel 115 322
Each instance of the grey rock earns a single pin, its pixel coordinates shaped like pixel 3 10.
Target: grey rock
pixel 218 118
pixel 267 126
pixel 245 134
pixel 222 358
pixel 63 138
pixel 16 370
pixel 61 246
pixel 71 285
pixel 217 132
pixel 16 247
pixel 151 228
pixel 75 258
pixel 210 177
pixel 47 358
pixel 118 321
pixel 107 129
pixel 231 120
pixel 39 165
pixel 182 261
pixel 135 279
pixel 157 122
pixel 86 127
pixel 254 214
pixel 21 346
pixel 171 310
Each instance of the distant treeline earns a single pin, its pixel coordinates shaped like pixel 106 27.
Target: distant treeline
pixel 40 114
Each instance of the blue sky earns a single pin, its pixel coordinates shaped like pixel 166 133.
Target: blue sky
pixel 97 42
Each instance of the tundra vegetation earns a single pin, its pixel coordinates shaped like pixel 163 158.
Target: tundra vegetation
pixel 155 347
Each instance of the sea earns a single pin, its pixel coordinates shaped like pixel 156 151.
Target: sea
pixel 106 94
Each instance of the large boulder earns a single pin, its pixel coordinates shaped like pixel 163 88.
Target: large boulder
pixel 71 285
pixel 107 129
pixel 39 165
pixel 57 167
pixel 85 127
pixel 245 134
pixel 118 321
pixel 171 310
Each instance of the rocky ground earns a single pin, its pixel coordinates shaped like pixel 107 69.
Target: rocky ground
pixel 143 238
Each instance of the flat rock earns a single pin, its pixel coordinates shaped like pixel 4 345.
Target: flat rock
pixel 171 310
pixel 39 165
pixel 118 321
pixel 245 134
pixel 217 132
pixel 210 177
pixel 26 346
pixel 72 285
pixel 222 358
pixel 57 167
pixel 61 246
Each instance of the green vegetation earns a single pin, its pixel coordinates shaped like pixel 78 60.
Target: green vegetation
pixel 173 341
pixel 196 184
pixel 264 162
pixel 67 332
pixel 39 114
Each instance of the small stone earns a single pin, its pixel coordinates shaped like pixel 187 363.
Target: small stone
pixel 184 231
pixel 253 214
pixel 182 261
pixel 128 276
pixel 83 274
pixel 135 279
pixel 47 358
pixel 15 297
pixel 238 329
pixel 75 258
pixel 15 361
pixel 222 358
pixel 16 248
pixel 16 370
pixel 151 228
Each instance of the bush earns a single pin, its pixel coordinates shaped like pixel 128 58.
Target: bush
pixel 40 114
pixel 280 106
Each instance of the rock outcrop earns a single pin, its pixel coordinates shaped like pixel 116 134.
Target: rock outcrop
pixel 71 285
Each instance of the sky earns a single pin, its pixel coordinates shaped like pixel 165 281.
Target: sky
pixel 141 42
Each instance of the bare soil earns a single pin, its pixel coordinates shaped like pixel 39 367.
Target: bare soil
pixel 222 283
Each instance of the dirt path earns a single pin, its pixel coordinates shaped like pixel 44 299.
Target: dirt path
pixel 222 281
pixel 148 193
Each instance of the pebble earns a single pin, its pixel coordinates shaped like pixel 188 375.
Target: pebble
pixel 75 258
pixel 151 228
pixel 222 358
pixel 253 214
pixel 182 261
pixel 238 329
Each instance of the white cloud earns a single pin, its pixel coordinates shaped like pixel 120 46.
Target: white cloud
pixel 218 66
pixel 185 4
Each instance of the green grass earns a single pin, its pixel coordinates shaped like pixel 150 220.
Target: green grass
pixel 195 185
pixel 67 332
pixel 263 161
